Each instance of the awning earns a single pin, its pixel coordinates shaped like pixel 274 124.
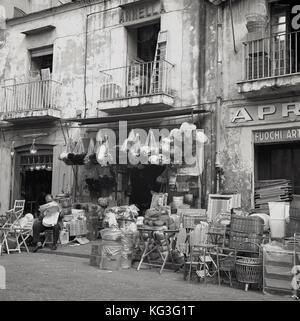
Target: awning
pixel 138 116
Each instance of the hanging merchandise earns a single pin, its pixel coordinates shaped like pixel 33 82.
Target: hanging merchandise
pixel 64 156
pixel 90 152
pixel 154 146
pixel 103 155
pixel 187 128
pixel 163 177
pixel 100 137
pixel 145 149
pixel 175 134
pixel 129 142
pixel 154 159
pixel 201 137
pixel 166 145
pixel 79 153
pixel 134 150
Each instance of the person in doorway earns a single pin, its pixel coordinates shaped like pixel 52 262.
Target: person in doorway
pixel 49 219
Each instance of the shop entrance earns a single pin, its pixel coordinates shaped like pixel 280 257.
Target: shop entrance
pixel 144 181
pixel 35 179
pixel 279 161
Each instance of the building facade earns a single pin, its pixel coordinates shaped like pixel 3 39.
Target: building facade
pixel 66 60
pixel 259 114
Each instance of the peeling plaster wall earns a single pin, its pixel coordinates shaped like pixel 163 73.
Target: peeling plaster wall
pixel 236 147
pixel 107 48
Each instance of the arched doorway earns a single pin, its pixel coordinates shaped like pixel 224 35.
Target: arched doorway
pixel 33 176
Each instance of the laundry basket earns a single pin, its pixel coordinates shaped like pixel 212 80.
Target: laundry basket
pixel 249 269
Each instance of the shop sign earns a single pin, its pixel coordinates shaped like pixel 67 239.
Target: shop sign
pixel 146 9
pixel 277 135
pixel 270 112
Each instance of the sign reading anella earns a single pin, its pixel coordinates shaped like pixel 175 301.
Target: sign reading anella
pixel 270 112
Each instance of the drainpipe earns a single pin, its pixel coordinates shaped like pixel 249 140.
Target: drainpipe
pixel 219 93
pixel 86 48
pixel 232 26
pixel 201 79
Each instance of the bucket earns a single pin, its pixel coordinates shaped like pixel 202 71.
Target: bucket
pixel 277 228
pixel 277 210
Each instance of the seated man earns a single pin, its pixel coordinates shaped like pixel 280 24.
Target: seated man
pixel 49 219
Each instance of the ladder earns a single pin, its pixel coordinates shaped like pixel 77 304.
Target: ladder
pixel 157 78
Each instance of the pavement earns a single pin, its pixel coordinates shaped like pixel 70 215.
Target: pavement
pixel 44 277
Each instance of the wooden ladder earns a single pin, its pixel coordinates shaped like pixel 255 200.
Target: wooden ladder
pixel 156 84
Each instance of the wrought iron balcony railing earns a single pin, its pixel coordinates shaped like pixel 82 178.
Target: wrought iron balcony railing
pixel 275 56
pixel 29 96
pixel 136 80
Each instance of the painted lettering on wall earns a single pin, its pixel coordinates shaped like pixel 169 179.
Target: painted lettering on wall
pixel 140 11
pixel 272 112
pixel 277 135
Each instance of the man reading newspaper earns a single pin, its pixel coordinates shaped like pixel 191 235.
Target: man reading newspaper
pixel 50 215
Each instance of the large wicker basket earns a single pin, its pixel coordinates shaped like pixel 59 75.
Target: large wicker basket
pixel 249 269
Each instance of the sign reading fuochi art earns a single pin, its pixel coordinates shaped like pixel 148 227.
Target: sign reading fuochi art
pixel 277 135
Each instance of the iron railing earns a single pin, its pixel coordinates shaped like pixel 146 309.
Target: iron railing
pixel 136 80
pixel 275 56
pixel 33 95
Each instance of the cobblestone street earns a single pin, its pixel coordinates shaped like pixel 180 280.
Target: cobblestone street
pixel 53 277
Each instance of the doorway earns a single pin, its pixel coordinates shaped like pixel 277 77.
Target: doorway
pixel 34 179
pixel 36 185
pixel 279 161
pixel 143 181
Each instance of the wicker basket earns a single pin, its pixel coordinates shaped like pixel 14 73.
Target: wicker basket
pixel 248 269
pixel 247 225
pixel 241 241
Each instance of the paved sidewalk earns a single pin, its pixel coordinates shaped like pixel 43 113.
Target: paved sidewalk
pixel 38 276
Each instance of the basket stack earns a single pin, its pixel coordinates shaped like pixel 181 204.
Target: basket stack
pixel 244 230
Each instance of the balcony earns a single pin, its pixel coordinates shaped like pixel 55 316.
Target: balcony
pixel 30 101
pixel 272 65
pixel 141 86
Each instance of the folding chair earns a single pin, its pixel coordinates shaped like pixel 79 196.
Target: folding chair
pixel 13 214
pixel 11 228
pixel 25 233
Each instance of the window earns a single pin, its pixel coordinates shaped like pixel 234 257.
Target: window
pixel 286 40
pixel 41 60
